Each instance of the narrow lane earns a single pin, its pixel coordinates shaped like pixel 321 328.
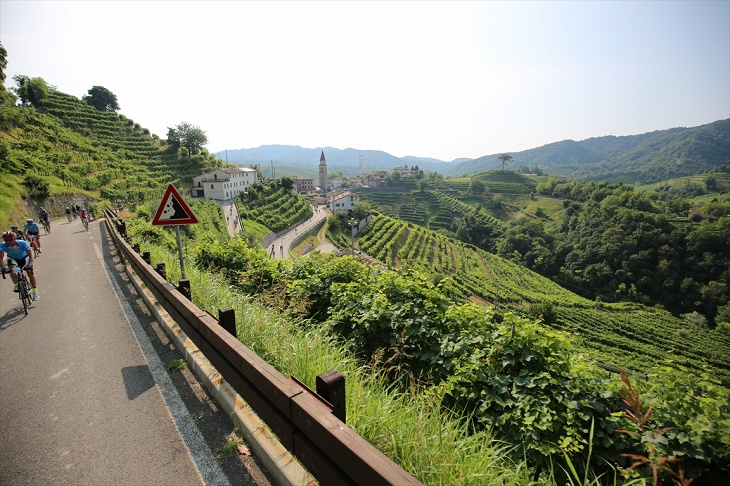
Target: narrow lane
pixel 81 400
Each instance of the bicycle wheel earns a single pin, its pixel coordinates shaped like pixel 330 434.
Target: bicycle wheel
pixel 24 292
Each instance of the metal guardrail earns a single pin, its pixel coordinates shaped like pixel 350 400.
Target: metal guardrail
pixel 305 422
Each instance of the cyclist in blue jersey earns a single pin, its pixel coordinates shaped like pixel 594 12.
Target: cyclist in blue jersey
pixel 32 230
pixel 19 253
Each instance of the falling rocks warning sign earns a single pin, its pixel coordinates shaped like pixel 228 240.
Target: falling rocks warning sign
pixel 173 210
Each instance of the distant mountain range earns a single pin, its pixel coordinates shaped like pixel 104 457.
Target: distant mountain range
pixel 645 158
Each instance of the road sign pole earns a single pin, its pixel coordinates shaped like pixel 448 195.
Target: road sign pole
pixel 179 250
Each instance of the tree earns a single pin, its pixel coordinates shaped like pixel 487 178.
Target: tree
pixel 361 209
pixel 102 99
pixel 506 159
pixel 31 90
pixel 6 98
pixel 189 136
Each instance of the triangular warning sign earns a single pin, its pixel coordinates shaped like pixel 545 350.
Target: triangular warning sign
pixel 173 210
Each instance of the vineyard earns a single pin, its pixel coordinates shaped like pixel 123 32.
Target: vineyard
pixel 433 208
pixel 625 335
pixel 94 150
pixel 275 208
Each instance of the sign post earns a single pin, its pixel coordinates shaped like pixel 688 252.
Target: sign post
pixel 174 211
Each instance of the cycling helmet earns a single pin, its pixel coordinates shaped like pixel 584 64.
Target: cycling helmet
pixel 13 228
pixel 9 235
pixel 30 220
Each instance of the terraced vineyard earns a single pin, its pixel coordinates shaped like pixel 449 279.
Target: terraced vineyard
pixel 434 209
pixel 277 209
pixel 625 335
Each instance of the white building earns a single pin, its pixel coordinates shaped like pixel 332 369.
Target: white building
pixel 343 201
pixel 222 184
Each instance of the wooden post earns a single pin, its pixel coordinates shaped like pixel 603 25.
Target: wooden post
pixel 183 287
pixel 331 387
pixel 227 319
pixel 146 257
pixel 162 270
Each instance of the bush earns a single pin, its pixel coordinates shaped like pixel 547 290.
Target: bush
pixel 37 186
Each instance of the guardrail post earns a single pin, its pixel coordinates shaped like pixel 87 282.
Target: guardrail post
pixel 135 247
pixel 331 387
pixel 146 258
pixel 162 270
pixel 123 228
pixel 227 319
pixel 183 286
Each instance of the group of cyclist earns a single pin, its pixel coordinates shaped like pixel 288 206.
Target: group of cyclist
pixel 22 245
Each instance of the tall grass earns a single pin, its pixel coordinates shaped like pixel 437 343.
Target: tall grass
pixel 409 428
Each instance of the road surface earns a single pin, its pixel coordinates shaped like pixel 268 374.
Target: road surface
pixel 86 393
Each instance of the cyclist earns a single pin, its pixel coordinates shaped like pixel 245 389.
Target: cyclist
pixel 18 233
pixel 45 218
pixel 73 210
pixel 33 232
pixel 84 217
pixel 20 254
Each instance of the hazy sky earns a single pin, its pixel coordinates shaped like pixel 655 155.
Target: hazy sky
pixel 431 79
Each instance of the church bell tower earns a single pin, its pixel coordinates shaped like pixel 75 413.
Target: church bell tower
pixel 323 174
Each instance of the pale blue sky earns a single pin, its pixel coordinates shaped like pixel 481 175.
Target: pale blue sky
pixel 431 79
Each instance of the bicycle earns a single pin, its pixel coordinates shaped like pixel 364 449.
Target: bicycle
pixel 68 216
pixel 23 286
pixel 86 223
pixel 46 227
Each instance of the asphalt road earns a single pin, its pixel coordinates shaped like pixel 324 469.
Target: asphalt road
pixel 86 393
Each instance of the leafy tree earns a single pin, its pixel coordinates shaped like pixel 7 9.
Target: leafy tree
pixel 506 159
pixel 102 99
pixel 287 183
pixel 189 136
pixel 6 98
pixel 31 90
pixel 361 209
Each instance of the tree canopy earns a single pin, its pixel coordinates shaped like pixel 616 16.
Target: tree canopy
pixel 6 98
pixel 506 159
pixel 189 136
pixel 102 99
pixel 31 90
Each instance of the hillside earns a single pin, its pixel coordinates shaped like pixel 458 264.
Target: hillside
pixel 80 154
pixel 645 158
pixel 627 335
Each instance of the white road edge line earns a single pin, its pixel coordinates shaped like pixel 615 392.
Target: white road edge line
pixel 207 465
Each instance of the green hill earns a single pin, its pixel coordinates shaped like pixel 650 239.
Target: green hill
pixel 73 152
pixel 645 158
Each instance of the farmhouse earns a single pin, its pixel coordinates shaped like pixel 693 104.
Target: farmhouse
pixel 222 184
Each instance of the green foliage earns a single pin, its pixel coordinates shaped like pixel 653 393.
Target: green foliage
pixel 189 136
pixel 685 417
pixel 102 99
pixel 275 208
pixel 37 186
pixel 249 269
pixel 31 90
pixel 526 383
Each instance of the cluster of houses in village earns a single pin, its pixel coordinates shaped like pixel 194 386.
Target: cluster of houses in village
pixel 226 183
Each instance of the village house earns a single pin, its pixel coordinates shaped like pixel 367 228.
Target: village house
pixel 304 185
pixel 224 184
pixel 343 201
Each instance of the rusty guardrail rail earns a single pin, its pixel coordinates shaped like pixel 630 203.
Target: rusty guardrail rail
pixel 307 424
